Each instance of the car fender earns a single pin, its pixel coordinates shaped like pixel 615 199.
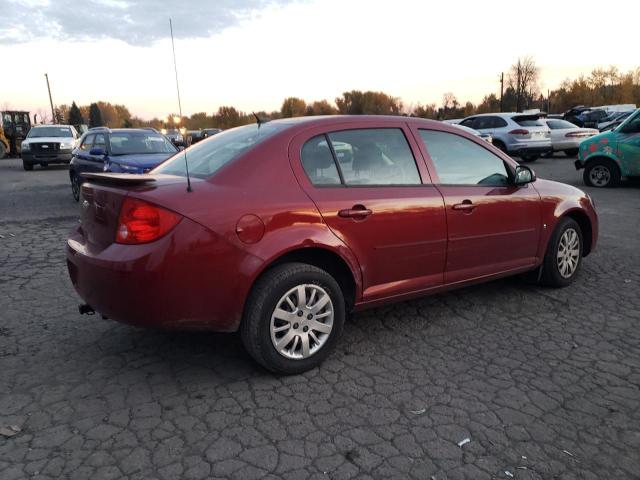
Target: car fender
pixel 601 154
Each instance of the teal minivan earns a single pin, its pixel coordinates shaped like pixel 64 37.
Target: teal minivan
pixel 609 156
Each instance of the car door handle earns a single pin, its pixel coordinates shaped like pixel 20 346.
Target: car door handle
pixel 357 212
pixel 465 206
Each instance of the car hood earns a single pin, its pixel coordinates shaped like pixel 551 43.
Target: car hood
pixel 146 160
pixel 49 140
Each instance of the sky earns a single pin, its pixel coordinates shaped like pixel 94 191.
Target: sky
pixel 253 53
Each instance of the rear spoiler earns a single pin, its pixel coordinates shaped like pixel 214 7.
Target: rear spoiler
pixel 119 178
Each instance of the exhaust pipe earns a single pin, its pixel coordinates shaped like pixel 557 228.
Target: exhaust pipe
pixel 86 309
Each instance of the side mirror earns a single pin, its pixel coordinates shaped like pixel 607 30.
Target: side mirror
pixel 524 175
pixel 97 152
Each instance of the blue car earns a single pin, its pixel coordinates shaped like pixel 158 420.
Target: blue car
pixel 122 150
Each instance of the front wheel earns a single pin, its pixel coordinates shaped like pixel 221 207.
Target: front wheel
pixel 529 158
pixel 26 165
pixel 564 254
pixel 75 187
pixel 293 318
pixel 602 173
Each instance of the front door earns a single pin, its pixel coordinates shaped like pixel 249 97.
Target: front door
pixel 493 225
pixel 628 139
pixel 379 201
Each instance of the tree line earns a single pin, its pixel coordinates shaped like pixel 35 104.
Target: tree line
pixel 521 91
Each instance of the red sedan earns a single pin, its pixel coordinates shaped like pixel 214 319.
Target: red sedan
pixel 288 225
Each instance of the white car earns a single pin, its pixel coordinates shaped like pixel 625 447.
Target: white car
pixel 46 144
pixel 566 137
pixel 484 136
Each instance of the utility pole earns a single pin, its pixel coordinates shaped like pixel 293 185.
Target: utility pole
pixel 501 88
pixel 548 101
pixel 53 114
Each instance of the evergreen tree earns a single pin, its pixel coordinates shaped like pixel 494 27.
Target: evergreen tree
pixel 75 116
pixel 95 116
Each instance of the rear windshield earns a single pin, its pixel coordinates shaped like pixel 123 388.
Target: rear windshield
pixel 528 121
pixel 132 143
pixel 39 132
pixel 207 156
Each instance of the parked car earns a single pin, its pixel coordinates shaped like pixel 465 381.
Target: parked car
pixel 210 132
pixel 175 136
pixel 609 156
pixel 614 118
pixel 566 137
pixel 485 136
pixel 575 115
pixel 270 240
pixel 47 144
pixel 120 150
pixel 518 134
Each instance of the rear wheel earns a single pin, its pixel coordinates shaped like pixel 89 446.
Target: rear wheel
pixel 564 254
pixel 500 146
pixel 601 172
pixel 529 158
pixel 293 318
pixel 26 165
pixel 75 187
pixel 3 150
pixel 572 152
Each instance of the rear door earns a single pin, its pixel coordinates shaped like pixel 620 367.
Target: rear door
pixel 493 225
pixel 378 200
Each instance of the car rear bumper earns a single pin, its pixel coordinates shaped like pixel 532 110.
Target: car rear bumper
pixel 187 280
pixel 58 157
pixel 531 150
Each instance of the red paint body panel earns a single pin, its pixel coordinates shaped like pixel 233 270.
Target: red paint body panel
pixel 199 275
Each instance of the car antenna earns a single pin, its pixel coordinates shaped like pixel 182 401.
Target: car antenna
pixel 175 68
pixel 259 120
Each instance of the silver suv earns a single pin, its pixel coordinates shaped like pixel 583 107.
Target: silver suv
pixel 519 134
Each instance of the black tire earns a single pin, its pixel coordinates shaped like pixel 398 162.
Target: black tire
pixel 551 273
pixel 529 158
pixel 3 151
pixel 572 152
pixel 255 329
pixel 75 187
pixel 27 166
pixel 500 146
pixel 610 173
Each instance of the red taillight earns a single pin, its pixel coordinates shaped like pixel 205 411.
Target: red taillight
pixel 142 222
pixel 519 131
pixel 579 134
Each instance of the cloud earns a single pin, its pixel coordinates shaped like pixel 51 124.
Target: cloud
pixel 137 22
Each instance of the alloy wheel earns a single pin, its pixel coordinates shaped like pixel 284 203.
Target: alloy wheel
pixel 568 255
pixel 302 321
pixel 600 175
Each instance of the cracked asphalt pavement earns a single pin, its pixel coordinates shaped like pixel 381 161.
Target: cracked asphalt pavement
pixel 544 383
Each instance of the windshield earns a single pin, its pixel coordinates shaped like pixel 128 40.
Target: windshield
pixel 629 119
pixel 207 156
pixel 131 143
pixel 39 132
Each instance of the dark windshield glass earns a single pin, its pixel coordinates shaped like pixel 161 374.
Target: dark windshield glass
pixel 207 156
pixel 39 132
pixel 130 143
pixel 528 121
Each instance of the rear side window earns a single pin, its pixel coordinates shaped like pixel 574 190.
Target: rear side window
pixel 318 162
pixel 206 158
pixel 375 156
pixel 459 161
pixel 528 121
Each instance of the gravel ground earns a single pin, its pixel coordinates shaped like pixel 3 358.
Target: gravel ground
pixel 544 383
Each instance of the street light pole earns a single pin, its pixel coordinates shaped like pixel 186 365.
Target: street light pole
pixel 501 88
pixel 53 114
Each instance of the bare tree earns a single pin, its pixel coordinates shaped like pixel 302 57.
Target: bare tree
pixel 523 78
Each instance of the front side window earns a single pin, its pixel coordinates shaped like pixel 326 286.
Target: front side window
pixel 100 141
pixel 375 156
pixel 87 143
pixel 318 163
pixel 459 161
